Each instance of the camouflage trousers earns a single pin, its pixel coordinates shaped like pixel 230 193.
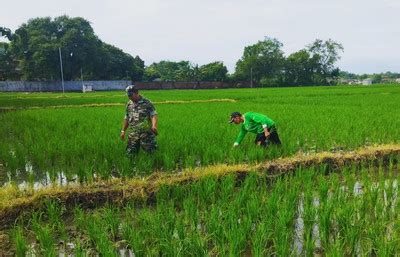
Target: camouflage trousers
pixel 144 139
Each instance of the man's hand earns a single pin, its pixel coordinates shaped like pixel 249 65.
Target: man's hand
pixel 154 130
pixel 235 145
pixel 122 134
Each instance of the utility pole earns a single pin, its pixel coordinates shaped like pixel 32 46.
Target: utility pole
pixel 61 67
pixel 251 77
pixel 82 77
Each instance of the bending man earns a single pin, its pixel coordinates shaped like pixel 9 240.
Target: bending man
pixel 258 124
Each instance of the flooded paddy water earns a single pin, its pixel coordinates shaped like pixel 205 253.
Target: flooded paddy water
pixel 301 213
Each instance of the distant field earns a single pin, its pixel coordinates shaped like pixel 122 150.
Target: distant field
pixel 83 142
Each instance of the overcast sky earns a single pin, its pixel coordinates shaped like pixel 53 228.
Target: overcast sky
pixel 218 30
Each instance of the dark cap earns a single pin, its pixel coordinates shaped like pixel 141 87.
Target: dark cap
pixel 234 115
pixel 130 90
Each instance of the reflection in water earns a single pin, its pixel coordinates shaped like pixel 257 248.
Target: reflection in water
pixel 30 178
pixel 298 242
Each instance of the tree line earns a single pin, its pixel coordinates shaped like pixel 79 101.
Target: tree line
pixel 384 77
pixel 34 49
pixel 33 53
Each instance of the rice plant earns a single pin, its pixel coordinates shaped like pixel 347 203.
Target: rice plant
pixel 21 245
pixel 92 148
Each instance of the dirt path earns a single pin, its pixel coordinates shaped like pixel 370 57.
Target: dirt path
pixel 14 108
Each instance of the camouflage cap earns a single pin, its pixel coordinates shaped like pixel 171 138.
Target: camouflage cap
pixel 130 90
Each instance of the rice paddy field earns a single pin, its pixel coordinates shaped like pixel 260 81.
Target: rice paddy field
pixel 197 195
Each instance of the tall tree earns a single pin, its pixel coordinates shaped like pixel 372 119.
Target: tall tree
pixel 326 53
pixel 262 62
pixel 171 71
pixel 6 32
pixel 299 68
pixel 214 71
pixel 8 64
pixel 36 45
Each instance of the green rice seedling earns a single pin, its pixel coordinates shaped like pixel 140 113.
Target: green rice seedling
pixel 226 188
pixel 179 235
pixel 351 218
pixel 335 249
pixel 142 224
pixel 158 225
pixel 44 235
pixel 252 207
pixel 213 225
pixel 168 245
pixel 390 248
pixel 247 188
pixel 21 244
pixel 373 198
pixel 283 231
pixel 110 216
pixel 259 240
pixel 380 233
pixel 134 238
pixel 235 230
pixel 325 211
pixel 99 236
pixel 79 217
pixel 194 244
pixel 163 194
pixel 309 219
pixel 79 251
pixel 245 226
pixel 82 174
pixel 325 215
pixel 191 212
pixel 390 198
pixel 54 212
pixel 181 193
pixel 207 190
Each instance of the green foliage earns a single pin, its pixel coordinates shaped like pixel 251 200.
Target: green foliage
pixel 300 68
pixel 6 32
pixel 215 71
pixel 326 54
pixel 170 71
pixel 263 60
pixel 265 63
pixel 36 45
pixel 21 245
pixel 44 235
pixel 7 63
pixel 185 71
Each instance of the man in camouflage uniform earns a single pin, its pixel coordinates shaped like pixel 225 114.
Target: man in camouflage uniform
pixel 141 122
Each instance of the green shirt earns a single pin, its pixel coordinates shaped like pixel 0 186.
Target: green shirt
pixel 254 123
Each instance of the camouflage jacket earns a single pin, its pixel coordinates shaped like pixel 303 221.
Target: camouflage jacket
pixel 138 114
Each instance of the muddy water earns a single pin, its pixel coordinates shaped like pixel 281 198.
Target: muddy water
pixel 298 242
pixel 30 178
